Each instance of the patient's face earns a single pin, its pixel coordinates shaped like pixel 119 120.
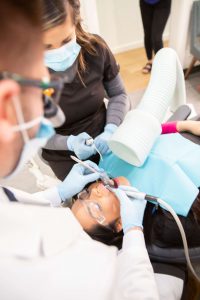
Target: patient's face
pixel 106 200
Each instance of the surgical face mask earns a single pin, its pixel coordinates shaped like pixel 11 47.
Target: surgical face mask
pixel 62 58
pixel 31 146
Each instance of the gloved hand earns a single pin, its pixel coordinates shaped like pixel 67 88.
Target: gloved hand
pixel 77 179
pixel 101 141
pixel 76 143
pixel 131 210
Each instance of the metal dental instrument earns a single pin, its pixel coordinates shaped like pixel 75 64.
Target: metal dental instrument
pixel 104 177
pixel 90 142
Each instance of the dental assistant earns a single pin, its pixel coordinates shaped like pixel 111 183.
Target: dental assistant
pixel 91 73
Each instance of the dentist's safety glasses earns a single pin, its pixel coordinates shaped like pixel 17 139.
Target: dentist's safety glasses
pixel 54 83
pixel 93 208
pixel 51 87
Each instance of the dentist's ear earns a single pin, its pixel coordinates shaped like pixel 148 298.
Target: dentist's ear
pixel 8 90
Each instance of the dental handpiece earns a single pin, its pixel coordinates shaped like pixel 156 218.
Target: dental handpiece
pixel 141 195
pixel 104 177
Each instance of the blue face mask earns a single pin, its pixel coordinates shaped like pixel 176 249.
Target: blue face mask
pixel 46 130
pixel 62 58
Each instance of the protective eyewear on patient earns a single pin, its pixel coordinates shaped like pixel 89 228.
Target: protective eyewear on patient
pixel 93 208
pixel 51 87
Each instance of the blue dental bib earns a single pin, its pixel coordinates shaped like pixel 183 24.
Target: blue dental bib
pixel 171 171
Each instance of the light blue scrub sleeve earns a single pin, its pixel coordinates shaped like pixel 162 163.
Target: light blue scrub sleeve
pixel 171 171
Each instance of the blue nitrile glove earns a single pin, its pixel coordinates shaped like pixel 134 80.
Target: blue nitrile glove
pixel 101 141
pixel 77 179
pixel 77 144
pixel 131 210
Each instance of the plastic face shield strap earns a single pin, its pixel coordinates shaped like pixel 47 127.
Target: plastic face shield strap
pixel 23 126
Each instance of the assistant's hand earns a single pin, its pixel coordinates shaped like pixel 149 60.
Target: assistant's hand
pixel 77 144
pixel 131 209
pixel 77 179
pixel 101 141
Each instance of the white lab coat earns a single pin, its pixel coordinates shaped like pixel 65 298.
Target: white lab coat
pixel 45 254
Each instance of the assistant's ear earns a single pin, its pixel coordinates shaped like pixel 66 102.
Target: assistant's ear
pixel 118 225
pixel 8 90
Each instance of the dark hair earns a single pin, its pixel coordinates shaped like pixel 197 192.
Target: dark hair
pixel 196 209
pixel 55 14
pixel 20 34
pixel 107 236
pixel 28 10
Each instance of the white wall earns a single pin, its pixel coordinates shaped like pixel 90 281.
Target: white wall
pixel 89 15
pixel 120 24
pixel 179 31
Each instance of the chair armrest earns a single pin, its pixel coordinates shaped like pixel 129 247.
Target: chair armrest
pixel 182 113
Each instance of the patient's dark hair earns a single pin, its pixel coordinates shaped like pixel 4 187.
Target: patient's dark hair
pixel 107 236
pixel 196 209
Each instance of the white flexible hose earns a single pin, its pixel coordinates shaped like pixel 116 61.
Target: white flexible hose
pixel 134 138
pixel 166 87
pixel 183 236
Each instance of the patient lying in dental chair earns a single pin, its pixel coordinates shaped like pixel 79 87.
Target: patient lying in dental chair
pixel 176 182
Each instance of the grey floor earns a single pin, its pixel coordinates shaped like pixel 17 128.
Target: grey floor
pixel 26 181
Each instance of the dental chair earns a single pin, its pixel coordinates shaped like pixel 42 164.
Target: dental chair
pixel 168 257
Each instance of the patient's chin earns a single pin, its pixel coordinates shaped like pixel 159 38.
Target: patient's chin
pixel 122 180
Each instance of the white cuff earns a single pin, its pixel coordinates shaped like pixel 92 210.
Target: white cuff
pixel 133 238
pixel 51 195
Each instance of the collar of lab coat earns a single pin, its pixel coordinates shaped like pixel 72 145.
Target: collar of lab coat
pixel 30 231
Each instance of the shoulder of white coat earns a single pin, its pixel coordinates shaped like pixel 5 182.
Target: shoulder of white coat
pixel 31 231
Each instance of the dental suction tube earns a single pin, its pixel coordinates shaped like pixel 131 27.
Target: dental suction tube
pixel 183 236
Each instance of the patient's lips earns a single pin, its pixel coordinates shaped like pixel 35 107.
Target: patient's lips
pixel 121 180
pixel 118 181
